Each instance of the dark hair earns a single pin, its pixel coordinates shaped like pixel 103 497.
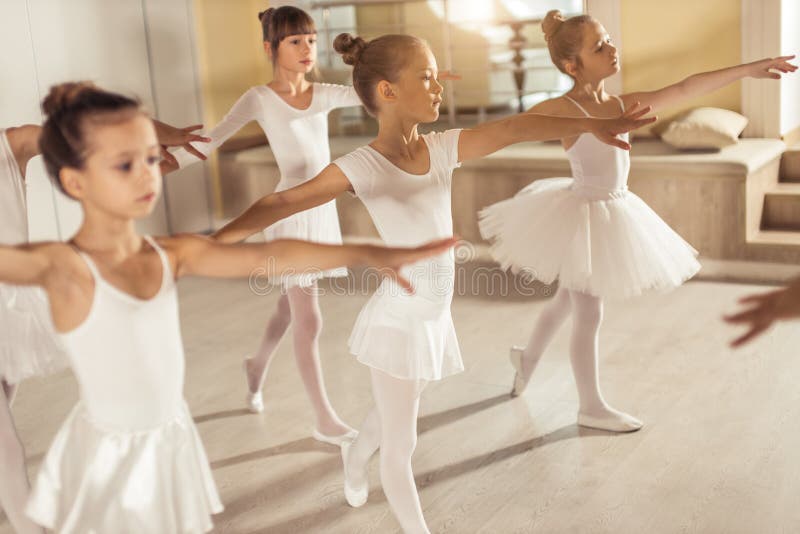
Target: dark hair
pixel 68 106
pixel 278 23
pixel 379 59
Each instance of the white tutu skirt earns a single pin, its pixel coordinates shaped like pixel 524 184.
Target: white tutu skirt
pixel 411 337
pixel 28 344
pixel 604 243
pixel 319 225
pixel 97 480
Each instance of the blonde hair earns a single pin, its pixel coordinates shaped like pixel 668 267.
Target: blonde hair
pixel 564 37
pixel 379 59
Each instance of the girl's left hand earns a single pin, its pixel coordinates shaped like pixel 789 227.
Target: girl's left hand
pixel 765 67
pixel 764 309
pixel 183 137
pixel 607 130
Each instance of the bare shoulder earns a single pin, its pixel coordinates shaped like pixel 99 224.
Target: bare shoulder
pixel 179 247
pixel 61 265
pixel 58 252
pixel 176 245
pixel 554 106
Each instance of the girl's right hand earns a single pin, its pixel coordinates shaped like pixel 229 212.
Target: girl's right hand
pixel 764 309
pixel 389 260
pixel 607 130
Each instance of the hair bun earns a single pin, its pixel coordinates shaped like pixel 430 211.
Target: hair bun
pixel 350 47
pixel 263 15
pixel 64 96
pixel 551 23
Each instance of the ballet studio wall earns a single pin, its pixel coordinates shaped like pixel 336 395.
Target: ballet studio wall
pixel 144 48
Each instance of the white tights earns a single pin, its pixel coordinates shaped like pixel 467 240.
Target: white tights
pixel 299 307
pixel 392 426
pixel 587 314
pixel 14 485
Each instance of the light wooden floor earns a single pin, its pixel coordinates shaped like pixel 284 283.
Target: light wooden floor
pixel 720 452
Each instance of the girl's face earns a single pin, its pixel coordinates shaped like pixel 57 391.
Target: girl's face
pixel 417 90
pixel 599 57
pixel 121 176
pixel 296 53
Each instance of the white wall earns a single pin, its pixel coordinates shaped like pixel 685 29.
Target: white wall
pixel 138 47
pixel 770 28
pixel 19 104
pixel 790 85
pixel 176 90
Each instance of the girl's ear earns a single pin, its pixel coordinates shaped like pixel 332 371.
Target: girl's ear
pixel 72 182
pixel 571 67
pixel 386 91
pixel 268 49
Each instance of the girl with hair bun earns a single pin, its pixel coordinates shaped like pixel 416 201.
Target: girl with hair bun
pixel 128 457
pixel 293 113
pixel 404 180
pixel 589 232
pixel 28 347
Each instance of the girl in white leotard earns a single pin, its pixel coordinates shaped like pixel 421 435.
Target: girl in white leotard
pixel 28 346
pixel 404 180
pixel 293 113
pixel 128 457
pixel 589 232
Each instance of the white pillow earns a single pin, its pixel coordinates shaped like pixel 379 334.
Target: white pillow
pixel 705 128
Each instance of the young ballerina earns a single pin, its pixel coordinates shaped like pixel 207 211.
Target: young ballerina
pixel 589 232
pixel 28 346
pixel 293 113
pixel 404 180
pixel 128 457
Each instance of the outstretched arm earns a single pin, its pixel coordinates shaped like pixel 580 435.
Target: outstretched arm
pixel 24 144
pixel 491 136
pixel 270 209
pixel 706 82
pixel 245 110
pixel 25 265
pixel 202 256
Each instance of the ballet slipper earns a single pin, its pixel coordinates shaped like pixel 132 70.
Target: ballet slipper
pixel 255 401
pixel 621 423
pixel 355 497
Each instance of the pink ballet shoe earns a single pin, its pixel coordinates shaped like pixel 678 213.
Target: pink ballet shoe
pixel 355 497
pixel 515 355
pixel 255 401
pixel 338 441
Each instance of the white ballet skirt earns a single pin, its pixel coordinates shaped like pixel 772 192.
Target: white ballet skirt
pixel 28 346
pixel 128 458
pixel 410 337
pixel 299 141
pixel 589 232
pixel 106 479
